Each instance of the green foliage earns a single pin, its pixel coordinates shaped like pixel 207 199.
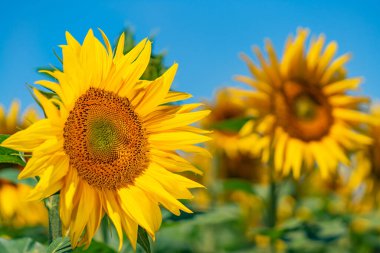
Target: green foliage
pixel 230 125
pixel 230 185
pixel 59 245
pixel 143 239
pixel 23 245
pixel 212 231
pixel 95 247
pixel 37 233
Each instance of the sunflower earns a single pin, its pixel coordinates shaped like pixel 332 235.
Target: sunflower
pixel 225 140
pixel 14 209
pixel 225 107
pixel 110 142
pixel 306 113
pixel 367 166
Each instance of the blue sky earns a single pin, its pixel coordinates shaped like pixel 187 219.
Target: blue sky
pixel 204 37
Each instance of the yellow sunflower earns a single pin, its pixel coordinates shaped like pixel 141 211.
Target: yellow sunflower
pixel 306 114
pixel 233 163
pixel 367 166
pixel 112 145
pixel 14 209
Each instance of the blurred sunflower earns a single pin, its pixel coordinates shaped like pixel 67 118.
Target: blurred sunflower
pixel 367 167
pixel 228 114
pixel 225 107
pixel 17 213
pixel 111 146
pixel 305 114
pixel 226 117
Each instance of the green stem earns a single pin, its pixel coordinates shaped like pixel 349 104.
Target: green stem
pixel 55 226
pixel 272 205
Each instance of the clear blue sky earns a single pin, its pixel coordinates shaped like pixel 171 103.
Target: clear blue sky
pixel 204 37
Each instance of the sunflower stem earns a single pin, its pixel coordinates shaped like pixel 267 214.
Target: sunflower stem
pixel 55 226
pixel 272 205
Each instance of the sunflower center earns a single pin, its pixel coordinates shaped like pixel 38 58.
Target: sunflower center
pixel 102 138
pixel 105 140
pixel 305 108
pixel 303 111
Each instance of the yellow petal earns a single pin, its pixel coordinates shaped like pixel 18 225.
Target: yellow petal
pixel 32 137
pixel 156 92
pixel 68 191
pixel 174 96
pixel 256 72
pixel 314 52
pixel 280 150
pixel 149 184
pixel 114 212
pixel 342 86
pixel 128 73
pixel 355 116
pixel 180 119
pixel 336 150
pixel 326 57
pixel 82 213
pixel 261 86
pixel 176 139
pixel 141 208
pixel 334 67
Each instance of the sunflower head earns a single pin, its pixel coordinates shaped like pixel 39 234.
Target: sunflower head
pixel 305 107
pixel 110 142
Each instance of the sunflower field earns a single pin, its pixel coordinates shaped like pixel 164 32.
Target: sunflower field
pixel 112 157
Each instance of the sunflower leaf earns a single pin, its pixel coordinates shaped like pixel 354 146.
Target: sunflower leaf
pixel 95 246
pixel 230 125
pixel 60 245
pixel 9 155
pixel 143 240
pixel 231 185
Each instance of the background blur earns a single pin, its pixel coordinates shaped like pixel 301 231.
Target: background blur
pixel 204 37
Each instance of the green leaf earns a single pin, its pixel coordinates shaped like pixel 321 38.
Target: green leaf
pixel 217 230
pixel 231 125
pixel 11 174
pixel 9 155
pixel 237 184
pixel 36 233
pixel 95 246
pixel 24 245
pixel 143 239
pixel 60 245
